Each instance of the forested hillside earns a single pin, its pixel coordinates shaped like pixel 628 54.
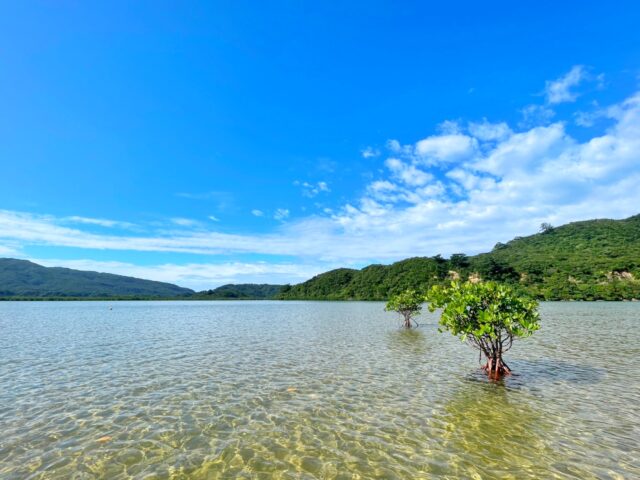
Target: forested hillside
pixel 241 291
pixel 21 278
pixel 590 260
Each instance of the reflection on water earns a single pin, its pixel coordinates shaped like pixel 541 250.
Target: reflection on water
pixel 405 341
pixel 209 390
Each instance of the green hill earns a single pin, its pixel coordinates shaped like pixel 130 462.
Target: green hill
pixel 242 291
pixel 21 278
pixel 590 260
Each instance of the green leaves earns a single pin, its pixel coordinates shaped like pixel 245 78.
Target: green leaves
pixel 488 311
pixel 407 303
pixel 407 300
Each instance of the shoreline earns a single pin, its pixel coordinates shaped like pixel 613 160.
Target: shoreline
pixel 173 299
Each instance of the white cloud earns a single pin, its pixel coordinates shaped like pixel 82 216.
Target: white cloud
pixel 185 222
pixel 198 276
pixel 445 148
pixel 470 181
pixel 542 174
pixel 257 213
pixel 7 251
pixel 281 214
pixel 407 173
pixel 101 222
pixel 487 131
pixel 585 119
pixel 449 127
pixel 312 189
pixel 562 90
pixel 589 119
pixel 533 147
pixel 535 115
pixel 383 186
pixel 370 152
pixel 394 146
pixel 559 91
pixel 213 218
pixel 384 191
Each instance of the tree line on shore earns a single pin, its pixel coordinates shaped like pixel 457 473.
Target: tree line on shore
pixel 590 260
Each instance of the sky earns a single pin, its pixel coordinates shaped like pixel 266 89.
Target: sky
pixel 205 143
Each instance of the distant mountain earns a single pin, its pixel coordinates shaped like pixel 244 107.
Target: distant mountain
pixel 590 260
pixel 21 278
pixel 244 291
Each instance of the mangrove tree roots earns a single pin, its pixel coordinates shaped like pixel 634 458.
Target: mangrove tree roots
pixel 496 368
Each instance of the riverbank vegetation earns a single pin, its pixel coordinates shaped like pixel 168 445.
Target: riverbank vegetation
pixel 242 291
pixel 590 260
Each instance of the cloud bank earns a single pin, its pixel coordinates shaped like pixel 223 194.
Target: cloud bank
pixel 460 190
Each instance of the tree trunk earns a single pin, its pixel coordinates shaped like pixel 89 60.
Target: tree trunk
pixel 495 366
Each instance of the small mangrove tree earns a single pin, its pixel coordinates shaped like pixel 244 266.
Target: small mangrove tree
pixel 408 304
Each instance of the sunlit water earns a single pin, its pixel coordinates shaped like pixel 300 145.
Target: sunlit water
pixel 310 390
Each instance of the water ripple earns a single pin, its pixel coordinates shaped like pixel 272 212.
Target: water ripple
pixel 208 390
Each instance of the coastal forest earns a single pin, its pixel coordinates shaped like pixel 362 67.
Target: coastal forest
pixel 588 260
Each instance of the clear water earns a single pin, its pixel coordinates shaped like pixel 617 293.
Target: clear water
pixel 300 390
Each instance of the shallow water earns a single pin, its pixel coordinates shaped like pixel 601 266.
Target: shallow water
pixel 300 390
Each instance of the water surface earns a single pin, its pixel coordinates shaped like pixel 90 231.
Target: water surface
pixel 298 390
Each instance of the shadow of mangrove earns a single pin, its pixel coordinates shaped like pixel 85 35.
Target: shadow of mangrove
pixel 543 371
pixel 548 369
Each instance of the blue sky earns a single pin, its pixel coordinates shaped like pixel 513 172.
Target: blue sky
pixel 271 141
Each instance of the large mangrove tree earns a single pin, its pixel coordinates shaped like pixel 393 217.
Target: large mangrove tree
pixel 489 316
